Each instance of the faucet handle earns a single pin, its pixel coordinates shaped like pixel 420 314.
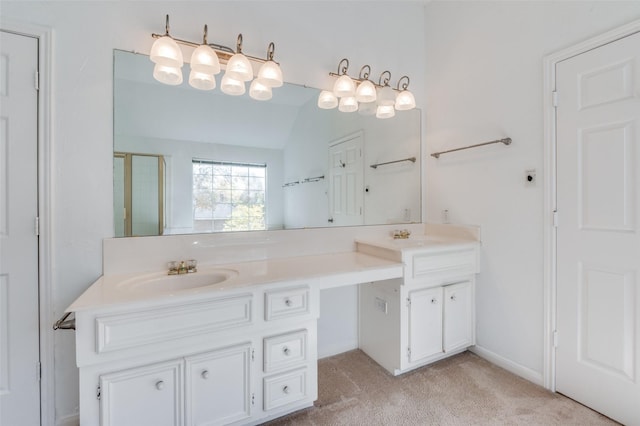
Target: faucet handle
pixel 192 265
pixel 173 267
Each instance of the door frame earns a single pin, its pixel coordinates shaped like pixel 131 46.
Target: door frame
pixel 44 36
pixel 550 197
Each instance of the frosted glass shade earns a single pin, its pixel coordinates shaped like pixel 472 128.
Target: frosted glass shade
pixel 366 92
pixel 385 111
pixel 260 91
pixel 327 100
pixel 205 60
pixel 348 104
pixel 165 51
pixel 270 74
pixel 201 80
pixel 386 96
pixel 239 68
pixel 367 108
pixel 167 75
pixel 344 87
pixel 405 101
pixel 231 86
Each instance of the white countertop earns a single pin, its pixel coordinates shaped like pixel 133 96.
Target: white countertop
pixel 419 242
pixel 321 271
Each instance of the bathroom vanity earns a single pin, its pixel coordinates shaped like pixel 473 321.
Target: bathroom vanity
pixel 236 343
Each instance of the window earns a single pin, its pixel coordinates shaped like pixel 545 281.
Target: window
pixel 228 196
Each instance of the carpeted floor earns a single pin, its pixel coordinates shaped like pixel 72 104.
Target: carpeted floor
pixel 461 390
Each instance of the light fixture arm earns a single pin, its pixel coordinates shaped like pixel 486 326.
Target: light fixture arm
pixel 166 26
pixel 384 82
pixel 366 74
pixel 404 85
pixel 204 36
pixel 343 70
pixel 270 51
pixel 239 44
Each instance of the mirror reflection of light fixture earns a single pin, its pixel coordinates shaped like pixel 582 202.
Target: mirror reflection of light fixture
pixel 368 98
pixel 327 100
pixel 260 91
pixel 270 73
pixel 205 63
pixel 405 100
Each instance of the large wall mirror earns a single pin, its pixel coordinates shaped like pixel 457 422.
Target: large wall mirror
pixel 188 161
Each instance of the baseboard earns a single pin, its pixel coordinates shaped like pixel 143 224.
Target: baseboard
pixel 70 420
pixel 513 367
pixel 332 350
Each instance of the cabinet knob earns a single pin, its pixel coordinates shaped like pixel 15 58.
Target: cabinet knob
pixel 286 351
pixel 285 389
pixel 434 301
pixel 453 297
pixel 287 302
pixel 160 385
pixel 205 374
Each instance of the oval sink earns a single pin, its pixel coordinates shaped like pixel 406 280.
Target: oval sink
pixel 168 283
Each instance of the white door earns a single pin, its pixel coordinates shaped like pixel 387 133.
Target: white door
pixel 458 316
pixel 598 237
pixel 19 334
pixel 425 323
pixel 346 181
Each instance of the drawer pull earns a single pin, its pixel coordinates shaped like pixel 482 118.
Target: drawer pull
pixel 160 385
pixel 288 302
pixel 286 351
pixel 453 297
pixel 205 374
pixel 285 389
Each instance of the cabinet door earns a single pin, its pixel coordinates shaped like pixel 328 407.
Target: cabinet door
pixel 149 395
pixel 458 316
pixel 425 323
pixel 218 386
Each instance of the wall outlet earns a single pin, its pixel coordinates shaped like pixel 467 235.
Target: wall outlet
pixel 530 177
pixel 381 305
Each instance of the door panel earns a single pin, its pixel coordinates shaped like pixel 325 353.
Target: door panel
pixel 598 237
pixel 346 176
pixel 425 323
pixel 19 332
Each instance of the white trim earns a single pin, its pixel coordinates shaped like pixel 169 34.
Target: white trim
pixel 70 420
pixel 45 175
pixel 549 85
pixel 515 368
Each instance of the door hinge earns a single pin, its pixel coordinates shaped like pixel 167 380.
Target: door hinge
pixel 409 354
pixel 555 338
pixel 555 218
pixel 37 226
pixel 253 399
pixel 39 371
pixel 36 82
pixel 408 302
pixel 98 393
pixel 253 354
pixel 554 98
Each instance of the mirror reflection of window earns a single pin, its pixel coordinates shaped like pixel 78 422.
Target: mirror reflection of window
pixel 228 196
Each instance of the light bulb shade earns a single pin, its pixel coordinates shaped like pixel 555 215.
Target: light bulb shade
pixel 167 75
pixel 367 108
pixel 348 104
pixel 239 68
pixel 366 92
pixel 231 86
pixel 405 101
pixel 260 91
pixel 270 74
pixel 344 87
pixel 205 60
pixel 201 80
pixel 386 96
pixel 385 111
pixel 327 100
pixel 165 51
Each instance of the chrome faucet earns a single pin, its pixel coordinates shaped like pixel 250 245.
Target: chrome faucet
pixel 182 267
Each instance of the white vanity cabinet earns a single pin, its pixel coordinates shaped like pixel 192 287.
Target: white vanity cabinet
pixel 425 316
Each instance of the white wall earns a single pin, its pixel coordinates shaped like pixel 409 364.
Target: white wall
pixel 484 82
pixel 310 38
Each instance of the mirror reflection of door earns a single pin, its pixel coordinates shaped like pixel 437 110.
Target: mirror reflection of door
pixel 138 182
pixel 346 185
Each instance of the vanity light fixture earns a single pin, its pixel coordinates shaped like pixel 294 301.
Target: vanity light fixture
pixel 368 98
pixel 205 64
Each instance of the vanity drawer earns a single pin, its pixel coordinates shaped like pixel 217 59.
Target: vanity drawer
pixel 285 351
pixel 459 262
pixel 285 388
pixel 123 331
pixel 286 303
